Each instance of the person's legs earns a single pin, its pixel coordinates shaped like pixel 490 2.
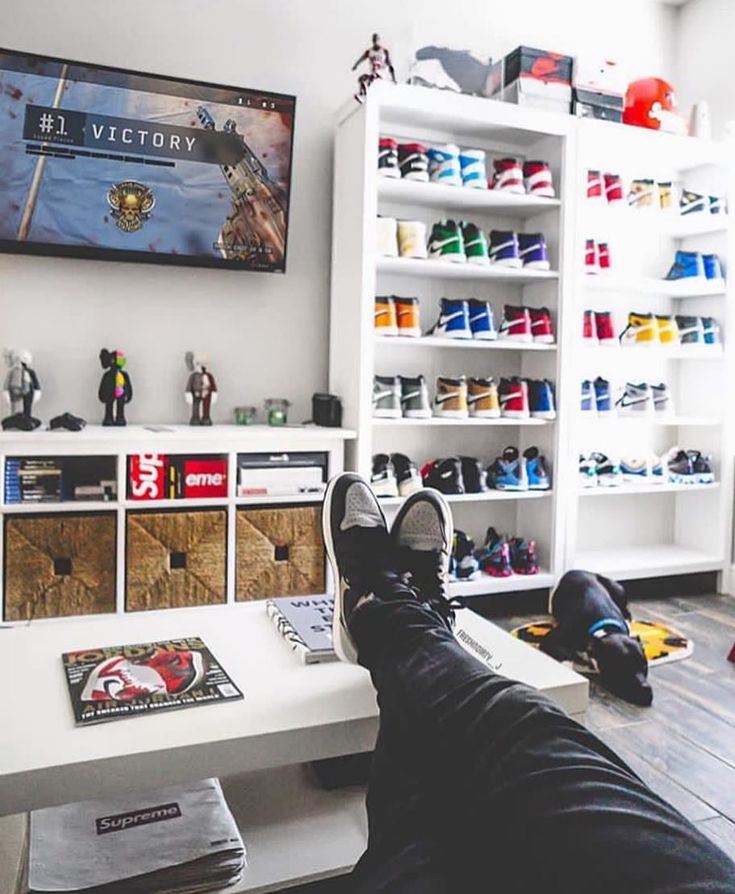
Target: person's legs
pixel 535 798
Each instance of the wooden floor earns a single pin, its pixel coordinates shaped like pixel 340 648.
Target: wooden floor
pixel 683 746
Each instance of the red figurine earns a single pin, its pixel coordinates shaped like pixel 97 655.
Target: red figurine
pixel 201 389
pixel 380 62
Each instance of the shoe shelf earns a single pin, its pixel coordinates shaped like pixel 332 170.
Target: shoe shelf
pixel 633 490
pixel 672 226
pixel 468 423
pixel 484 584
pixel 647 561
pixel 651 419
pixel 435 195
pixel 651 286
pixel 664 352
pixel 490 496
pixel 428 342
pixel 418 267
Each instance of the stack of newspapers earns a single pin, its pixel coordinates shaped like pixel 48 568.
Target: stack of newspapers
pixel 175 840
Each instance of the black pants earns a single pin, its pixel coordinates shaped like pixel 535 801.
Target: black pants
pixel 482 784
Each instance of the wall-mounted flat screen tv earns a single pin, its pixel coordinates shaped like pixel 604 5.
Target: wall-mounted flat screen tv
pixel 99 162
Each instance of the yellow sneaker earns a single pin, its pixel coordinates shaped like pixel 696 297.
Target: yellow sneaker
pixel 386 320
pixel 641 330
pixel 450 400
pixel 668 331
pixel 482 398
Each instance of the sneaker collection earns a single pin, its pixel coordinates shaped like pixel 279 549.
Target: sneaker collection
pixel 646 329
pixel 511 471
pixel 499 556
pixel 676 466
pixel 451 165
pixel 649 194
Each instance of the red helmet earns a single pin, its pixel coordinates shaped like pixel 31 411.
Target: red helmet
pixel 651 102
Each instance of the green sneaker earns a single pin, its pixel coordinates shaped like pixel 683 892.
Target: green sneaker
pixel 475 244
pixel 446 242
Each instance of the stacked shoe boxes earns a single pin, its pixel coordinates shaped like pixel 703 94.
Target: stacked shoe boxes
pixel 537 79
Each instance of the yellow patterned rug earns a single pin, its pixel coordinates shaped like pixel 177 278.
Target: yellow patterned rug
pixel 661 644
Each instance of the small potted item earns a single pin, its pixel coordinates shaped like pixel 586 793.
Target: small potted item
pixel 115 389
pixel 201 389
pixel 380 64
pixel 21 391
pixel 276 409
pixel 245 415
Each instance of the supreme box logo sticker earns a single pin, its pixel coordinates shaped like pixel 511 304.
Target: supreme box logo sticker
pixel 205 478
pixel 147 474
pixel 121 821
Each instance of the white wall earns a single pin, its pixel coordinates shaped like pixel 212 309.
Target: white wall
pixel 266 335
pixel 704 48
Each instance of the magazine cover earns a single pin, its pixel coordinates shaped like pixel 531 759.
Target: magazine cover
pixel 122 681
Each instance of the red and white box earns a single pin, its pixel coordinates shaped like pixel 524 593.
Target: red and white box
pixel 147 476
pixel 204 478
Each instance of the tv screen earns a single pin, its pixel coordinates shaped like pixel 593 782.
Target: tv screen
pixel 105 163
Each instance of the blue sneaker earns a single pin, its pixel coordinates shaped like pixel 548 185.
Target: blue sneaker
pixel 588 404
pixel 691 329
pixel 538 475
pixel 711 331
pixel 541 399
pixel 687 265
pixel 508 472
pixel 444 166
pixel 482 321
pixel 636 470
pixel 603 395
pixel 454 319
pixel 713 268
pixel 717 205
pixel 504 250
pixel 533 251
pixel 474 172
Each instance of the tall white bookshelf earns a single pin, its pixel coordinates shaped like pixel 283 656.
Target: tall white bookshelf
pixel 628 533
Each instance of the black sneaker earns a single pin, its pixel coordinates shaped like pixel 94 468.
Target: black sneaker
pixel 413 162
pixel 464 563
pixel 445 475
pixel 407 475
pixel 383 478
pixel 360 551
pixel 473 475
pixel 388 158
pixel 422 534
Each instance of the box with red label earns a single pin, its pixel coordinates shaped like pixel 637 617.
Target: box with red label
pixel 147 476
pixel 203 478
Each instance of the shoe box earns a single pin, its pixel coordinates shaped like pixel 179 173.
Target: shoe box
pixel 534 78
pixel 599 90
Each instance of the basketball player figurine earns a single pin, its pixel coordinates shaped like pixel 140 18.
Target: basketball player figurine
pixel 201 389
pixel 380 63
pixel 116 389
pixel 21 391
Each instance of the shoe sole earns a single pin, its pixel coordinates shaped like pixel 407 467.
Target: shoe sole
pixel 343 643
pixel 383 490
pixel 537 265
pixel 417 414
pixel 451 414
pixel 387 414
pixel 543 339
pixel 543 414
pixel 409 333
pixel 485 414
pixel 512 263
pixel 485 336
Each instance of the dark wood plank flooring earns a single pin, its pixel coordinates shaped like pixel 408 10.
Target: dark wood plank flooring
pixel 683 746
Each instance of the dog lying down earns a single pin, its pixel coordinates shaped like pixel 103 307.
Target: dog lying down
pixel 592 617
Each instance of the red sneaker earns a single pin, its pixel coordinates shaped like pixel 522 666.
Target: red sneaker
pixel 588 326
pixel 537 178
pixel 513 397
pixel 603 257
pixel 594 185
pixel 614 188
pixel 516 324
pixel 180 670
pixel 590 257
pixel 541 328
pixel 121 680
pixel 508 175
pixel 604 328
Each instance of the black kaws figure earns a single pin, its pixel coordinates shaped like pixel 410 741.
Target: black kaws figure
pixel 592 617
pixel 116 389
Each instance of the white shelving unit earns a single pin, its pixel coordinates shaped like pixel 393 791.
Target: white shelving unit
pixel 682 529
pixel 120 443
pixel 358 275
pixel 667 529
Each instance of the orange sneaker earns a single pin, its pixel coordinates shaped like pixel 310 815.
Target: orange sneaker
pixel 386 321
pixel 407 312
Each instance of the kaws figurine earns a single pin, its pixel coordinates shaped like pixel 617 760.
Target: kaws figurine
pixel 201 389
pixel 116 389
pixel 380 62
pixel 21 391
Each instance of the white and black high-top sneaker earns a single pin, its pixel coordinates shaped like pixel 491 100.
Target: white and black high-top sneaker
pixel 388 158
pixel 361 553
pixel 636 400
pixel 387 397
pixel 444 475
pixel 415 397
pixel 383 478
pixel 408 476
pixel 413 162
pixel 422 533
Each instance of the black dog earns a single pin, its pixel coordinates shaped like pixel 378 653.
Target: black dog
pixel 592 615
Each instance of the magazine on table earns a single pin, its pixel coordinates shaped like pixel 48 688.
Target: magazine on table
pixel 123 681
